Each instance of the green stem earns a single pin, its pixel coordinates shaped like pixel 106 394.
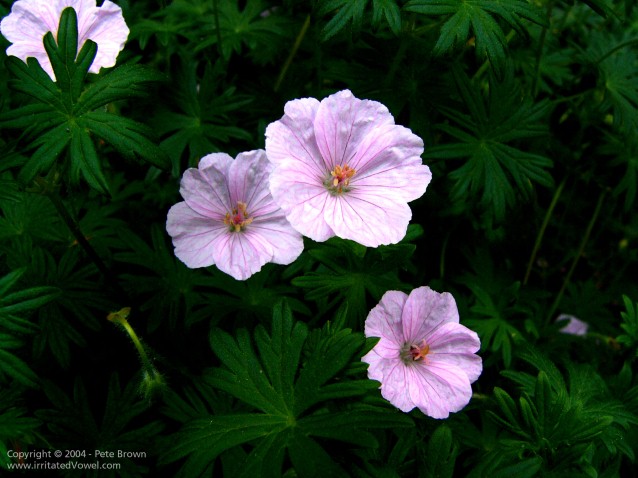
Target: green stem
pixel 616 48
pixel 293 52
pixel 138 344
pixel 541 232
pixel 486 63
pixel 403 46
pixel 539 53
pixel 51 193
pixel 49 188
pixel 218 31
pixel 581 249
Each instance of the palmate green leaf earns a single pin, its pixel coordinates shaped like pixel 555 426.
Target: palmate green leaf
pixel 200 119
pixel 345 12
pixel 16 425
pixel 30 217
pixel 76 307
pixel 84 160
pixel 287 391
pixel 557 420
pixel 122 83
pixel 629 324
pixel 495 170
pixel 208 437
pixel 247 27
pixel 348 271
pixel 166 288
pixel 389 11
pixel 59 117
pixel 481 16
pixel 13 366
pixel 69 65
pixel 122 426
pixel 13 327
pixel 33 81
pixel 128 137
pixel 441 453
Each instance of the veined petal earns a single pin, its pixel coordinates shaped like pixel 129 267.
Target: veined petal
pixel 424 311
pixel 385 319
pixel 286 243
pixel 193 235
pixel 343 122
pixel 239 256
pixel 30 20
pixel 371 221
pixel 303 199
pixel 106 27
pixel 248 182
pixel 292 138
pixel 437 389
pixel 206 191
pixel 388 163
pixel 229 217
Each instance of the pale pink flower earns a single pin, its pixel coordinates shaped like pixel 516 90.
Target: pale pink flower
pixel 424 357
pixel 573 325
pixel 30 20
pixel 228 217
pixel 344 168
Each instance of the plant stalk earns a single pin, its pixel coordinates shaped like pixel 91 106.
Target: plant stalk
pixel 293 52
pixel 581 249
pixel 541 232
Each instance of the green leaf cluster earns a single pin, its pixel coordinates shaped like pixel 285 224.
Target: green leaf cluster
pixel 486 19
pixel 558 427
pixel 496 171
pixel 289 388
pixel 64 116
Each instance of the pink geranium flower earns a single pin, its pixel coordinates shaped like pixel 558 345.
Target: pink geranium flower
pixel 344 168
pixel 424 357
pixel 30 20
pixel 228 217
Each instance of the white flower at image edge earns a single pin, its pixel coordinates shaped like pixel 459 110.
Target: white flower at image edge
pixel 30 20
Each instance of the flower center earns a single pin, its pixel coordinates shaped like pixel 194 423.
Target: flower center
pixel 414 352
pixel 339 180
pixel 238 219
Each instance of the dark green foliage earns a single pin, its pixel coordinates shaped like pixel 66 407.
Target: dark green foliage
pixel 481 16
pixel 291 393
pixel 13 304
pixel 203 120
pixel 73 426
pixel 64 115
pixel 528 110
pixel 496 170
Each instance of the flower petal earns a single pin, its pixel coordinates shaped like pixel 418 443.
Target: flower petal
pixel 454 344
pixel 106 27
pixel 424 311
pixel 240 256
pixel 342 122
pixel 286 243
pixel 437 389
pixel 368 220
pixel 303 199
pixel 205 189
pixel 30 20
pixel 388 164
pixel 385 319
pixel 292 138
pixel 193 235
